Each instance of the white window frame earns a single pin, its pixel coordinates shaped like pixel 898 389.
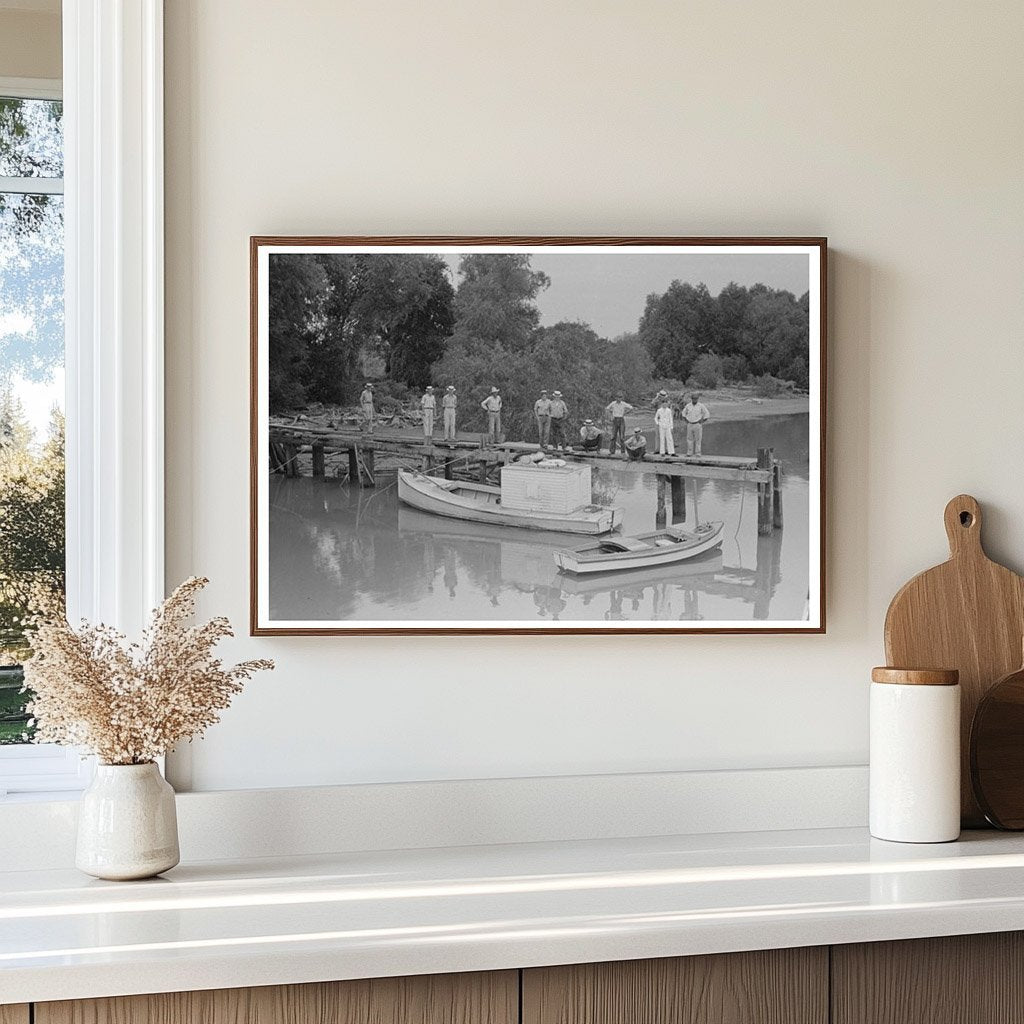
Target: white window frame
pixel 114 345
pixel 37 767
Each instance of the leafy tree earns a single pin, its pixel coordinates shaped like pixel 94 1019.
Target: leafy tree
pixel 296 286
pixel 677 326
pixel 330 310
pixel 775 331
pixel 707 370
pixel 416 339
pixel 732 302
pixel 31 524
pixel 757 330
pixel 494 304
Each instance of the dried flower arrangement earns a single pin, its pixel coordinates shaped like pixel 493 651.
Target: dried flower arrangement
pixel 130 703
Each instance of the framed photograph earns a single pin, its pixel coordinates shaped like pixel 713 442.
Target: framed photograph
pixel 537 435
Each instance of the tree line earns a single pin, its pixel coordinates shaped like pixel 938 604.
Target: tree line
pixel 739 333
pixel 330 311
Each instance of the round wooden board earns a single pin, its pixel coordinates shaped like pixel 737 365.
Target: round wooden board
pixel 997 752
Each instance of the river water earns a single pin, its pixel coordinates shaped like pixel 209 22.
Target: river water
pixel 342 553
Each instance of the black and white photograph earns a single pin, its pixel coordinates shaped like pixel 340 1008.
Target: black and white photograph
pixel 537 435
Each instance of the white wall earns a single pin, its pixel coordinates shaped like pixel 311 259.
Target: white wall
pixel 30 41
pixel 895 129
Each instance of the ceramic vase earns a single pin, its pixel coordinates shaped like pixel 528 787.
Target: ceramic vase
pixel 127 825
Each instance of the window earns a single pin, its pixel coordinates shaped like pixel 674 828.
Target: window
pixel 32 533
pixel 112 213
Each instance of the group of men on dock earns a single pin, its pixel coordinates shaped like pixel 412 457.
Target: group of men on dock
pixel 550 414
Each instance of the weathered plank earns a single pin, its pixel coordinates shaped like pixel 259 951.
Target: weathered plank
pixel 481 998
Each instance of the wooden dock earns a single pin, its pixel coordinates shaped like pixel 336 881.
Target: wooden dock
pixel 480 459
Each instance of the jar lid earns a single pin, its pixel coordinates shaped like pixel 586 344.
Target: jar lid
pixel 916 676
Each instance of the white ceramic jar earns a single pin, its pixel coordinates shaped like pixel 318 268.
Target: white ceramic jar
pixel 915 755
pixel 127 823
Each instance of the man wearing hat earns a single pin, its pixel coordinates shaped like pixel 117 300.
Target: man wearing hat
pixel 664 421
pixel 559 410
pixel 366 405
pixel 448 406
pixel 617 411
pixel 427 406
pixel 696 414
pixel 542 413
pixel 590 437
pixel 636 446
pixel 492 406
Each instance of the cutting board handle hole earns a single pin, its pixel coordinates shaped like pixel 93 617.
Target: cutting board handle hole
pixel 966 519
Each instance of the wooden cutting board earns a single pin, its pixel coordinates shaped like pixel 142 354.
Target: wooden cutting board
pixel 967 614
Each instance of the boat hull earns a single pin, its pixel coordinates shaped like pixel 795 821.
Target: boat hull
pixel 579 564
pixel 477 503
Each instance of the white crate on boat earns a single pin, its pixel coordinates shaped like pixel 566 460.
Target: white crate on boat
pixel 545 489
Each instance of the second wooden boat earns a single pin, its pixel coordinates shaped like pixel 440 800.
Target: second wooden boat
pixel 662 547
pixel 479 503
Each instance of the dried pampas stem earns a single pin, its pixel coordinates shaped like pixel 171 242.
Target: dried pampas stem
pixel 129 703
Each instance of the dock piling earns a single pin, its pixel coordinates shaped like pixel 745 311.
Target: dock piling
pixel 777 495
pixel 765 492
pixel 678 499
pixel 319 460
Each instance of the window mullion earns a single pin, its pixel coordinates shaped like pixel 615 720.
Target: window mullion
pixel 32 186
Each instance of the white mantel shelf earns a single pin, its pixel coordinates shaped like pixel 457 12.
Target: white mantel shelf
pixel 227 924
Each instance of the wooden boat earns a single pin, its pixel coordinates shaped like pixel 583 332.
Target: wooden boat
pixel 480 503
pixel 662 547
pixel 690 573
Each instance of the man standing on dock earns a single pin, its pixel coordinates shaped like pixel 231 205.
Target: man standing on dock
pixel 366 405
pixel 617 410
pixel 559 410
pixel 663 420
pixel 696 414
pixel 492 406
pixel 542 413
pixel 428 405
pixel 448 406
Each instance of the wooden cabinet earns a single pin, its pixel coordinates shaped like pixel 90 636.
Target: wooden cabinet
pixel 491 998
pixel 967 979
pixel 962 979
pixel 778 986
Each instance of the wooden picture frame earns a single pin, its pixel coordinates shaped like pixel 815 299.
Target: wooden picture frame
pixel 333 439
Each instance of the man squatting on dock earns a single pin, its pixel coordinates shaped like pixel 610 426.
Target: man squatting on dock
pixel 550 415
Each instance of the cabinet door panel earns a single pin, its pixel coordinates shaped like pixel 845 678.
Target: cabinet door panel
pixel 484 998
pixel 14 1014
pixel 779 986
pixel 960 979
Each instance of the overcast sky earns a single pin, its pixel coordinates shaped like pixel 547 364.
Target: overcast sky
pixel 609 291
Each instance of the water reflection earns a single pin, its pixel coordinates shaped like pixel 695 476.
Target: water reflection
pixel 342 553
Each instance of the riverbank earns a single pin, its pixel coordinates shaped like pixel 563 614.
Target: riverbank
pixel 732 404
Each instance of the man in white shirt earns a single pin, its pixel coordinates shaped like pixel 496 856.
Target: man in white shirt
pixel 542 413
pixel 664 421
pixel 559 410
pixel 617 410
pixel 428 405
pixel 448 406
pixel 366 405
pixel 492 406
pixel 696 414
